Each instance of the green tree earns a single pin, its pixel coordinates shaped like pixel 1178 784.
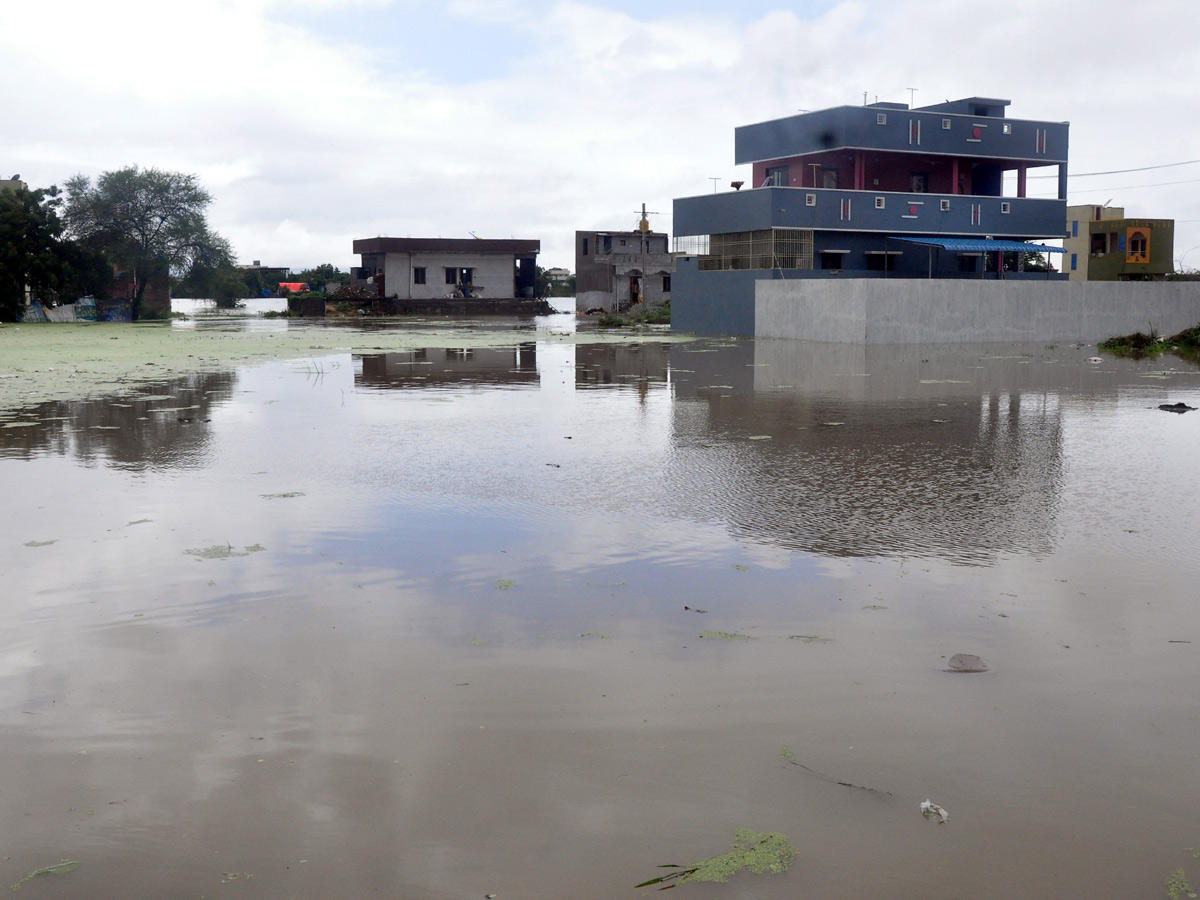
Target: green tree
pixel 321 275
pixel 31 247
pixel 150 223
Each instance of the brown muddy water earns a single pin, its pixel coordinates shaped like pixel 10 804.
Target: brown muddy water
pixel 445 610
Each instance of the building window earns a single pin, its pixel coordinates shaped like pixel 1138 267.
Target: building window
pixel 1138 247
pixel 1075 228
pixel 975 213
pixel 777 176
pixel 666 288
pixel 832 259
pixel 1074 261
pixel 829 179
pixel 810 199
pixel 914 131
pixel 585 246
pixel 418 275
pixel 918 182
pixel 845 209
pixel 880 202
pixel 880 118
pixel 945 205
pixel 967 263
pixel 451 275
pixel 1006 128
pixel 607 244
pixel 622 242
pixel 945 124
pixel 1005 207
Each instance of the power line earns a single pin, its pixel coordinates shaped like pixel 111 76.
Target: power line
pixel 1186 162
pixel 1133 187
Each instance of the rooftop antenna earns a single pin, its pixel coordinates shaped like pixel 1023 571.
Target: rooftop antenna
pixel 864 98
pixel 474 235
pixel 912 95
pixel 714 179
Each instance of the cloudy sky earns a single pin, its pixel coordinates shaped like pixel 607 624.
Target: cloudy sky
pixel 315 122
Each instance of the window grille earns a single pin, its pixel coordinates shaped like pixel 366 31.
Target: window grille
pixel 772 248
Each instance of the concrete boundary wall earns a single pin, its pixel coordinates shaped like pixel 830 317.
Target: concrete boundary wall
pixel 914 311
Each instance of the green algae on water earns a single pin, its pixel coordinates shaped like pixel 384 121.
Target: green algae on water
pixel 766 853
pixel 217 551
pixel 725 636
pixel 1178 887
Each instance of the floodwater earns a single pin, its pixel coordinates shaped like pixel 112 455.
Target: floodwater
pixel 525 610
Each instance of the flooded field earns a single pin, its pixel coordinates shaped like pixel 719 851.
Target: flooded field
pixel 441 610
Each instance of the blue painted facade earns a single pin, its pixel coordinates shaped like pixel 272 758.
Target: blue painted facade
pixel 832 190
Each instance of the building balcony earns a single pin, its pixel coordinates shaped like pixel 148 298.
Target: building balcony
pixel 881 212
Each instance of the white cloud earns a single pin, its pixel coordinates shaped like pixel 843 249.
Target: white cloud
pixel 308 136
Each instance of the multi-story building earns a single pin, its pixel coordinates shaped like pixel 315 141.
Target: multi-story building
pixel 616 269
pixel 1101 244
pixel 875 191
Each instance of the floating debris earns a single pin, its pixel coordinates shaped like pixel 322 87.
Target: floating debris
pixel 1180 408
pixel 505 585
pixel 285 496
pixel 67 865
pixel 760 853
pixel 1178 887
pixel 725 636
pixel 41 543
pixel 760 437
pixel 810 638
pixel 966 662
pixel 217 551
pixel 695 610
pixel 929 809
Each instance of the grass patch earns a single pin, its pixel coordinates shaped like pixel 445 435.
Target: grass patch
pixel 658 315
pixel 1140 345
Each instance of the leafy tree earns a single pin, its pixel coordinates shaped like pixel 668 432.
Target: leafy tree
pixel 31 247
pixel 321 275
pixel 225 284
pixel 150 223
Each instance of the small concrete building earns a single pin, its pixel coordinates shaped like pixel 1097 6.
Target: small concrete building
pixel 441 268
pixel 615 270
pixel 1103 245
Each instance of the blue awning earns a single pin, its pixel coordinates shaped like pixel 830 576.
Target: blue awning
pixel 977 245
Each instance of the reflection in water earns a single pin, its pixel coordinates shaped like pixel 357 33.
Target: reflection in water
pixel 449 367
pixel 157 426
pixel 845 450
pixel 607 364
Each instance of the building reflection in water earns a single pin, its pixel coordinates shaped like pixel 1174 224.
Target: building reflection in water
pixel 862 450
pixel 450 367
pixel 163 425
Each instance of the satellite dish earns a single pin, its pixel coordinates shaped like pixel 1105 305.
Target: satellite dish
pixel 15 178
